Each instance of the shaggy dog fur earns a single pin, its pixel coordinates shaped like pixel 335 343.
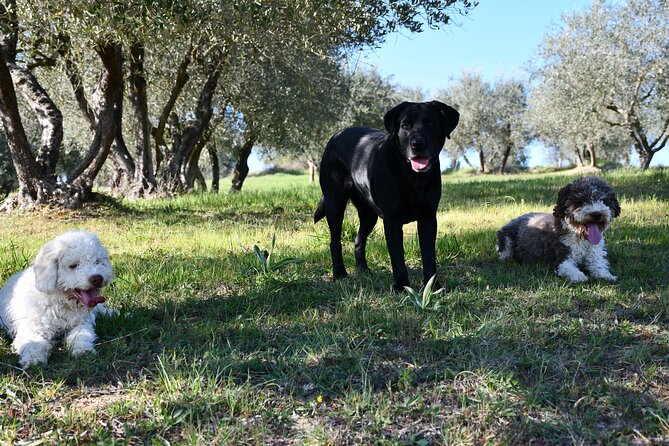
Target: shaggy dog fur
pixel 571 237
pixel 58 295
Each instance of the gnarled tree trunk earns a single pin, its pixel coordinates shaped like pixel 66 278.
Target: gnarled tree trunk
pixel 590 147
pixel 215 168
pixel 174 175
pixel 241 170
pixel 19 147
pixel 144 179
pixel 179 84
pixel 313 168
pixel 193 172
pixel 110 87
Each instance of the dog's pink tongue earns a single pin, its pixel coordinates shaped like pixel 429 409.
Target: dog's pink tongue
pixel 594 234
pixel 91 297
pixel 419 163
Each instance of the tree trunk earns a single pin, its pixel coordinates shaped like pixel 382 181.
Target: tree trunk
pixel 591 151
pixel 215 168
pixel 110 87
pixel 124 165
pixel 179 83
pixel 645 158
pixel 645 148
pixel 241 169
pixel 175 175
pixel 200 181
pixel 19 147
pixel 193 168
pixel 482 164
pixel 144 179
pixel 579 157
pixel 505 158
pixel 313 167
pixel 49 116
pixel 464 157
pixel 121 157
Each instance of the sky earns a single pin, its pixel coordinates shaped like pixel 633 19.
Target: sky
pixel 498 39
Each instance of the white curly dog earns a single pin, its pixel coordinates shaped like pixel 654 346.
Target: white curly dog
pixel 58 295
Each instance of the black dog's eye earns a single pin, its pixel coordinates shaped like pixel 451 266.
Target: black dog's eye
pixel 74 266
pixel 428 123
pixel 406 125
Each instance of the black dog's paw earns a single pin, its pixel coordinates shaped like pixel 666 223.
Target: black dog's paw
pixel 339 275
pixel 362 268
pixel 398 288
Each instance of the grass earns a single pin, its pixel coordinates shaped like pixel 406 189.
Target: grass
pixel 212 349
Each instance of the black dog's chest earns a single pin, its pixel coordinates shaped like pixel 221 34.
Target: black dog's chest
pixel 402 209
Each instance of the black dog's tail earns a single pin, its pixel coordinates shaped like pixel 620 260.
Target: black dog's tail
pixel 320 211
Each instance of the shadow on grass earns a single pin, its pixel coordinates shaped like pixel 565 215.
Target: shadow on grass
pixel 512 344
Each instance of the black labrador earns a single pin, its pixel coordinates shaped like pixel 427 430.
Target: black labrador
pixel 394 175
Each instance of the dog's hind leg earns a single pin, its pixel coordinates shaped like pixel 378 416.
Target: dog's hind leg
pixel 368 219
pixel 335 206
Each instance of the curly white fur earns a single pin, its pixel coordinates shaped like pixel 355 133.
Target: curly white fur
pixel 57 295
pixel 592 257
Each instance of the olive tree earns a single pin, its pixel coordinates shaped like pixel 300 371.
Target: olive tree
pixel 492 121
pixel 160 74
pixel 606 68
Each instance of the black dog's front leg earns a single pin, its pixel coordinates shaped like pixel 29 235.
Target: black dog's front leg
pixel 395 242
pixel 427 237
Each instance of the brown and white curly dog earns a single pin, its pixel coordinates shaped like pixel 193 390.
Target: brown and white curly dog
pixel 572 237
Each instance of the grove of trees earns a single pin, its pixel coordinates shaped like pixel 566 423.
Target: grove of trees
pixel 144 96
pixel 603 80
pixel 143 84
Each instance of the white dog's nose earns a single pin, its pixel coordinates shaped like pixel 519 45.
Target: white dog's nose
pixel 96 280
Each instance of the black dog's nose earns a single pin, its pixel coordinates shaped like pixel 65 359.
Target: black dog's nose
pixel 417 144
pixel 96 280
pixel 596 216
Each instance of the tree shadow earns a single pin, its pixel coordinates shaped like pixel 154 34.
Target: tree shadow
pixel 569 364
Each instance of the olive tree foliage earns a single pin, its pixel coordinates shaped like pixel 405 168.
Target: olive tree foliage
pixel 150 79
pixel 492 121
pixel 359 96
pixel 602 82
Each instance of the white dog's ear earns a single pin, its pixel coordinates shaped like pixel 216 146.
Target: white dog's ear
pixel 46 268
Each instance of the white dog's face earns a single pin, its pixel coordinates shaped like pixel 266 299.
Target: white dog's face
pixel 74 264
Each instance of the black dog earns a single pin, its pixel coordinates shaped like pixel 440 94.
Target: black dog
pixel 395 176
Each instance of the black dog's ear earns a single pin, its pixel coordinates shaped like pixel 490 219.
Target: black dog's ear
pixel 451 117
pixel 390 118
pixel 560 209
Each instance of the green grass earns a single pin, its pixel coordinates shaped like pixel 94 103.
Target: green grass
pixel 211 349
